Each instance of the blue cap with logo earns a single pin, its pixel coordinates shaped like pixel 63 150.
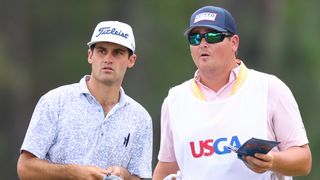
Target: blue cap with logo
pixel 212 17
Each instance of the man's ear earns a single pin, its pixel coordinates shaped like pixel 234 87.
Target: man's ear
pixel 90 53
pixel 132 60
pixel 235 43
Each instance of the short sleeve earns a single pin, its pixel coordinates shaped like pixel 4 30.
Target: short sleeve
pixel 288 127
pixel 166 152
pixel 41 132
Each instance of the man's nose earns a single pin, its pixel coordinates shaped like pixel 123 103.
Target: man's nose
pixel 108 58
pixel 203 42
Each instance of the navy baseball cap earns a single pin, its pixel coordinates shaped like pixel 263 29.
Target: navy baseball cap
pixel 212 17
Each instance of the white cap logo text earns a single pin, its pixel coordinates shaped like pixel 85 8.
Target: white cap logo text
pixel 206 16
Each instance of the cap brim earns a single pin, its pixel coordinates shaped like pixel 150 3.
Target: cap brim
pixel 187 31
pixel 112 41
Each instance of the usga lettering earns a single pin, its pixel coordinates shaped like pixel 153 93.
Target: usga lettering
pixel 209 147
pixel 113 31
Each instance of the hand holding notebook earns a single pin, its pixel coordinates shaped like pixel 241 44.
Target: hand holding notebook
pixel 252 146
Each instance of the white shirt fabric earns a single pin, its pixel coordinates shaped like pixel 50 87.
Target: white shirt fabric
pixel 284 120
pixel 200 129
pixel 68 126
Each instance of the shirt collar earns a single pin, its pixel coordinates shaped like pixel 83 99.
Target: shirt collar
pixel 124 99
pixel 233 74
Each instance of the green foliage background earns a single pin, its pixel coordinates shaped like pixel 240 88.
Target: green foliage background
pixel 43 45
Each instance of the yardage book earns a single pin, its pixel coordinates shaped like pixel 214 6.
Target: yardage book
pixel 252 146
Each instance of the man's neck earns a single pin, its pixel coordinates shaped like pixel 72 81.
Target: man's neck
pixel 106 95
pixel 214 79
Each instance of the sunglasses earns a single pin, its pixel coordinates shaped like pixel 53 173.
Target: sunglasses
pixel 210 37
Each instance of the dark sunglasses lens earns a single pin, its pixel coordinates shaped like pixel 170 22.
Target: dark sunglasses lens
pixel 194 39
pixel 214 37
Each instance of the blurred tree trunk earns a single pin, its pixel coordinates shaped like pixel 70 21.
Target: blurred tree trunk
pixel 272 19
pixel 260 37
pixel 17 91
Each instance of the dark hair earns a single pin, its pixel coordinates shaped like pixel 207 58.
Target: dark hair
pixel 130 52
pixel 92 47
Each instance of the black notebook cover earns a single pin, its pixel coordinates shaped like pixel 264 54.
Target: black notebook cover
pixel 255 145
pixel 252 146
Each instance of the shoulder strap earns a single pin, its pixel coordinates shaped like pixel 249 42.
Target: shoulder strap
pixel 196 91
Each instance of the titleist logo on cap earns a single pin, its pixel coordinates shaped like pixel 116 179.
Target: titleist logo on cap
pixel 113 31
pixel 205 16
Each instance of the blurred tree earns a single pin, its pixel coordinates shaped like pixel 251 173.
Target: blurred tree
pixel 16 89
pixel 43 45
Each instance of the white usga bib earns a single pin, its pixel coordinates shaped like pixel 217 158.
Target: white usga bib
pixel 201 129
